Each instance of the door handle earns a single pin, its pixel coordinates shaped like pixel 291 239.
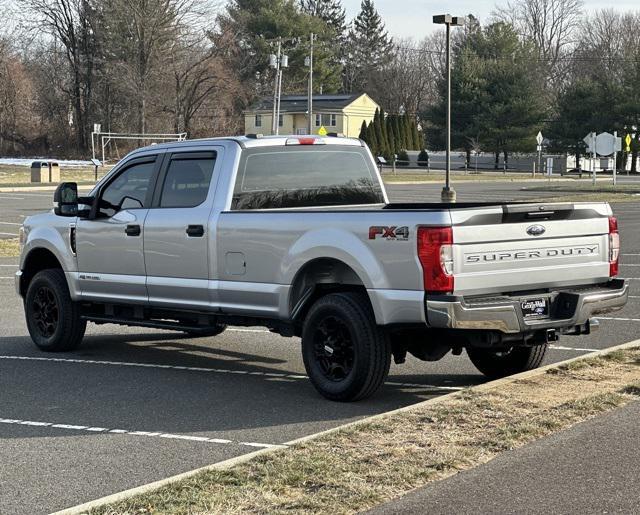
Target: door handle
pixel 132 230
pixel 195 231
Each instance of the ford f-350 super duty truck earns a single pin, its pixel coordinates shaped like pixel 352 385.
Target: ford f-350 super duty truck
pixel 296 233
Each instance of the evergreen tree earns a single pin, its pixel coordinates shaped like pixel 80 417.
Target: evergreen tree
pixel 383 128
pixel 369 49
pixel 409 132
pixel 331 12
pixel 363 131
pixel 417 138
pixel 389 130
pixel 258 22
pixel 372 139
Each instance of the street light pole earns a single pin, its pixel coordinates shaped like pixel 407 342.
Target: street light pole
pixel 448 193
pixel 310 85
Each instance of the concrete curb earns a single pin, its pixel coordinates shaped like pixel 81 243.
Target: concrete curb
pixel 226 464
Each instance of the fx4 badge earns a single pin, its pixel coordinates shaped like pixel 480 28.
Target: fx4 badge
pixel 389 233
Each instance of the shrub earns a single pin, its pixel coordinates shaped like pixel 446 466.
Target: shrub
pixel 423 158
pixel 403 158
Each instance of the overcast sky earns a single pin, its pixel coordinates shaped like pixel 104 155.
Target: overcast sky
pixel 412 18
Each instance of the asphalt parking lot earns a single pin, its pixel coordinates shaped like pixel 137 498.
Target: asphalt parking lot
pixel 133 406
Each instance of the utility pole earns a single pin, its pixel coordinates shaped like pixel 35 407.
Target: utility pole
pixel 274 62
pixel 310 86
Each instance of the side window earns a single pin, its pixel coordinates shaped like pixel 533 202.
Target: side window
pixel 129 189
pixel 187 181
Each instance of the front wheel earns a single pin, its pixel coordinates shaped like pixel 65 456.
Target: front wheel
pixel 346 355
pixel 495 364
pixel 53 319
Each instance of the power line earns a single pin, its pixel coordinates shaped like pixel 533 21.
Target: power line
pixel 512 57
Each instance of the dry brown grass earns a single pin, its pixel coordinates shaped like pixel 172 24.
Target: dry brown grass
pixel 9 247
pixel 21 175
pixel 362 466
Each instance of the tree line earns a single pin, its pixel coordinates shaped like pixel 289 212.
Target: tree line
pixel 148 66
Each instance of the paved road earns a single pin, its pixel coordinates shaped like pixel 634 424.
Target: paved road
pixel 133 406
pixel 581 470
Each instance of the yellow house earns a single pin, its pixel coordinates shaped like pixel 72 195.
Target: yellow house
pixel 336 113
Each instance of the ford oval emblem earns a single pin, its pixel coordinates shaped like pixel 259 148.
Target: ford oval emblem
pixel 535 230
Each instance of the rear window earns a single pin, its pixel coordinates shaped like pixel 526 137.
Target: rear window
pixel 305 177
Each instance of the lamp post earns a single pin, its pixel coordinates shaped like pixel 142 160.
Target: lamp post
pixel 448 193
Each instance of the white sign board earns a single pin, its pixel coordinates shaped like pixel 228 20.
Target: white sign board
pixel 539 138
pixel 605 144
pixel 589 139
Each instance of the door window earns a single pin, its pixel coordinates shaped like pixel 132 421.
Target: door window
pixel 187 181
pixel 128 190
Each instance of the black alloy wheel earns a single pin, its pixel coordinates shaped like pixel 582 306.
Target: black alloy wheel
pixel 334 350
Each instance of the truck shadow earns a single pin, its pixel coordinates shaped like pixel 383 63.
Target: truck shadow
pixel 245 397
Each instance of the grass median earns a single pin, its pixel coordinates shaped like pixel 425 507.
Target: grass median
pixel 9 247
pixel 364 465
pixel 11 175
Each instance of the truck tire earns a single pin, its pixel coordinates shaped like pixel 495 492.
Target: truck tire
pixel 346 355
pixel 53 319
pixel 495 364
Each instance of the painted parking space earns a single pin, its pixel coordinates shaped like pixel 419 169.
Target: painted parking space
pixel 132 406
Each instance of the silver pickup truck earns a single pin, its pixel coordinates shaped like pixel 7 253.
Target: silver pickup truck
pixel 297 234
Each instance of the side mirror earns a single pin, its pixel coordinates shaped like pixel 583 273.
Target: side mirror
pixel 65 199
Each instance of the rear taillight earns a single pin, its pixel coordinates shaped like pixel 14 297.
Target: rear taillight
pixel 614 246
pixel 435 252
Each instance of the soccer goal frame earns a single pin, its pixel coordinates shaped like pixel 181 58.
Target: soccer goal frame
pixel 103 139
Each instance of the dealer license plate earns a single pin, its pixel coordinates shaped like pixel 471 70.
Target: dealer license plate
pixel 535 308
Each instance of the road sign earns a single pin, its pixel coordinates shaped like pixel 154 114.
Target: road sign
pixel 539 138
pixel 322 131
pixel 627 140
pixel 605 144
pixel 589 139
pixel 538 148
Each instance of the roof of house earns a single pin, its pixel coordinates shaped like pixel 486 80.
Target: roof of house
pixel 298 103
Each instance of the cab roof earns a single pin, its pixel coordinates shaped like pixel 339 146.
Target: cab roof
pixel 257 140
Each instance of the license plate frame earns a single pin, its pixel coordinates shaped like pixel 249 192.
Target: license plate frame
pixel 535 307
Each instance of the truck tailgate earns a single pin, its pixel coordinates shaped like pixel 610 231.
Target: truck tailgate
pixel 530 247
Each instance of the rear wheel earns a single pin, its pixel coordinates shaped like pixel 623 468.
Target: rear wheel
pixel 53 319
pixel 346 355
pixel 495 364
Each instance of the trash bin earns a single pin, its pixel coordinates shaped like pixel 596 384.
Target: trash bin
pixel 54 172
pixel 40 171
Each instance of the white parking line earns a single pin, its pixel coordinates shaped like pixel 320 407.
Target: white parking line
pixel 577 349
pixel 621 319
pixel 9 233
pixel 157 434
pixel 2 197
pixel 277 375
pixel 10 223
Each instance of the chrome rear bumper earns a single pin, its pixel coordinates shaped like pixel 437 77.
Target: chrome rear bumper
pixel 568 308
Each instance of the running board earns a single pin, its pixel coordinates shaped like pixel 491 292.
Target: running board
pixel 153 324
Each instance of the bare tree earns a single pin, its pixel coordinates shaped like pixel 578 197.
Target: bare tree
pixel 552 25
pixel 70 23
pixel 408 82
